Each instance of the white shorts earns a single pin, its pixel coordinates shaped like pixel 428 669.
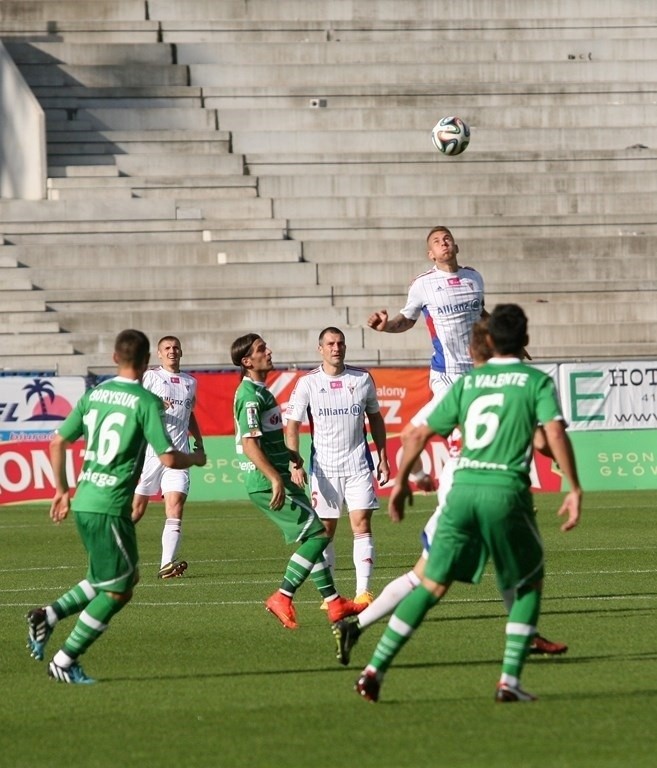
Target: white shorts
pixel 444 486
pixel 156 478
pixel 330 494
pixel 440 384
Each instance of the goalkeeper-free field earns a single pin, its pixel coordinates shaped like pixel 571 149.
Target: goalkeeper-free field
pixel 194 672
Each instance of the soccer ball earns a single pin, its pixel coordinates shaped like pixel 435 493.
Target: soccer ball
pixel 450 135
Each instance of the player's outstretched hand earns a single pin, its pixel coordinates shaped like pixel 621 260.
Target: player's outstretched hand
pixel 378 320
pixel 400 494
pixel 572 507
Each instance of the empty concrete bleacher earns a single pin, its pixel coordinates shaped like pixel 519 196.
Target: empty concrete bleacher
pixel 268 164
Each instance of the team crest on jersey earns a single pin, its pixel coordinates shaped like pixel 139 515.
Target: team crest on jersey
pixel 351 388
pixel 336 385
pixel 252 415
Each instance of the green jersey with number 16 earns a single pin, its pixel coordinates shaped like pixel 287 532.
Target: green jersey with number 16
pixel 498 407
pixel 117 419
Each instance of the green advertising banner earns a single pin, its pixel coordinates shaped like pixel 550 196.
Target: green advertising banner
pixel 616 460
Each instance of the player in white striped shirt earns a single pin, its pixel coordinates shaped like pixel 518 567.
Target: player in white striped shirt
pixel 336 398
pixel 451 299
pixel 178 392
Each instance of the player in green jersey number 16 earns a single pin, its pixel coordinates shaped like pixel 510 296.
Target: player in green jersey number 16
pixel 116 419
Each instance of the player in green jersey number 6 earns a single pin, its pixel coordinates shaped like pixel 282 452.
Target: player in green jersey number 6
pixel 499 406
pixel 274 478
pixel 116 419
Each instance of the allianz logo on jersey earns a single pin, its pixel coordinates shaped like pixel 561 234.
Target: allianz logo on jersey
pixel 352 410
pixel 466 306
pixel 187 402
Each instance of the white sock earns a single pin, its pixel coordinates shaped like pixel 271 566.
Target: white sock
pixel 62 659
pixel 171 536
pixel 329 554
pixel 51 616
pixel 389 599
pixel 363 561
pixel 508 596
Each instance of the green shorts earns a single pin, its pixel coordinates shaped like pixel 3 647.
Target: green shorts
pixel 488 519
pixel 296 519
pixel 111 544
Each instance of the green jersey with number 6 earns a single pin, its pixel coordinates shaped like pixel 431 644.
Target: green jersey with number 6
pixel 117 419
pixel 497 407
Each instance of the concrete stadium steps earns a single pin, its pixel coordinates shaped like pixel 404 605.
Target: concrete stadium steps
pixel 190 188
pixel 31 11
pixel 385 10
pixel 29 322
pixel 65 234
pixel 571 225
pixel 79 30
pixel 154 255
pixel 403 205
pixel 478 251
pixel 483 140
pixel 75 97
pixel 115 118
pixel 65 142
pixel 20 301
pixel 323 75
pixel 15 212
pixel 194 321
pixel 89 54
pixel 414 118
pixel 531 276
pixel 442 98
pixel 440 52
pixel 445 181
pixel 582 162
pixel 109 278
pixel 34 345
pixel 466 30
pixel 105 75
pixel 15 280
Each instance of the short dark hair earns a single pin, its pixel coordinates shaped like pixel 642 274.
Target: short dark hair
pixel 507 326
pixel 330 329
pixel 240 348
pixel 479 346
pixel 169 338
pixel 440 229
pixel 132 347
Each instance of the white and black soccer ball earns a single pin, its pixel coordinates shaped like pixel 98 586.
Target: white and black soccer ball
pixel 450 135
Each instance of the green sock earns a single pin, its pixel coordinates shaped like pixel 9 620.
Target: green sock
pixel 323 579
pixel 520 629
pixel 92 623
pixel 405 620
pixel 301 563
pixel 75 600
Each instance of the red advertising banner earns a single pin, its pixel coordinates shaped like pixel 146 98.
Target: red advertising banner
pixel 26 473
pixel 401 391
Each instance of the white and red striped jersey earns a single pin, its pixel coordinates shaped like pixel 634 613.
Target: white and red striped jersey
pixel 179 390
pixel 451 303
pixel 335 407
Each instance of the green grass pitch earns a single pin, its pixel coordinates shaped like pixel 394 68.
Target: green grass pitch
pixel 194 672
